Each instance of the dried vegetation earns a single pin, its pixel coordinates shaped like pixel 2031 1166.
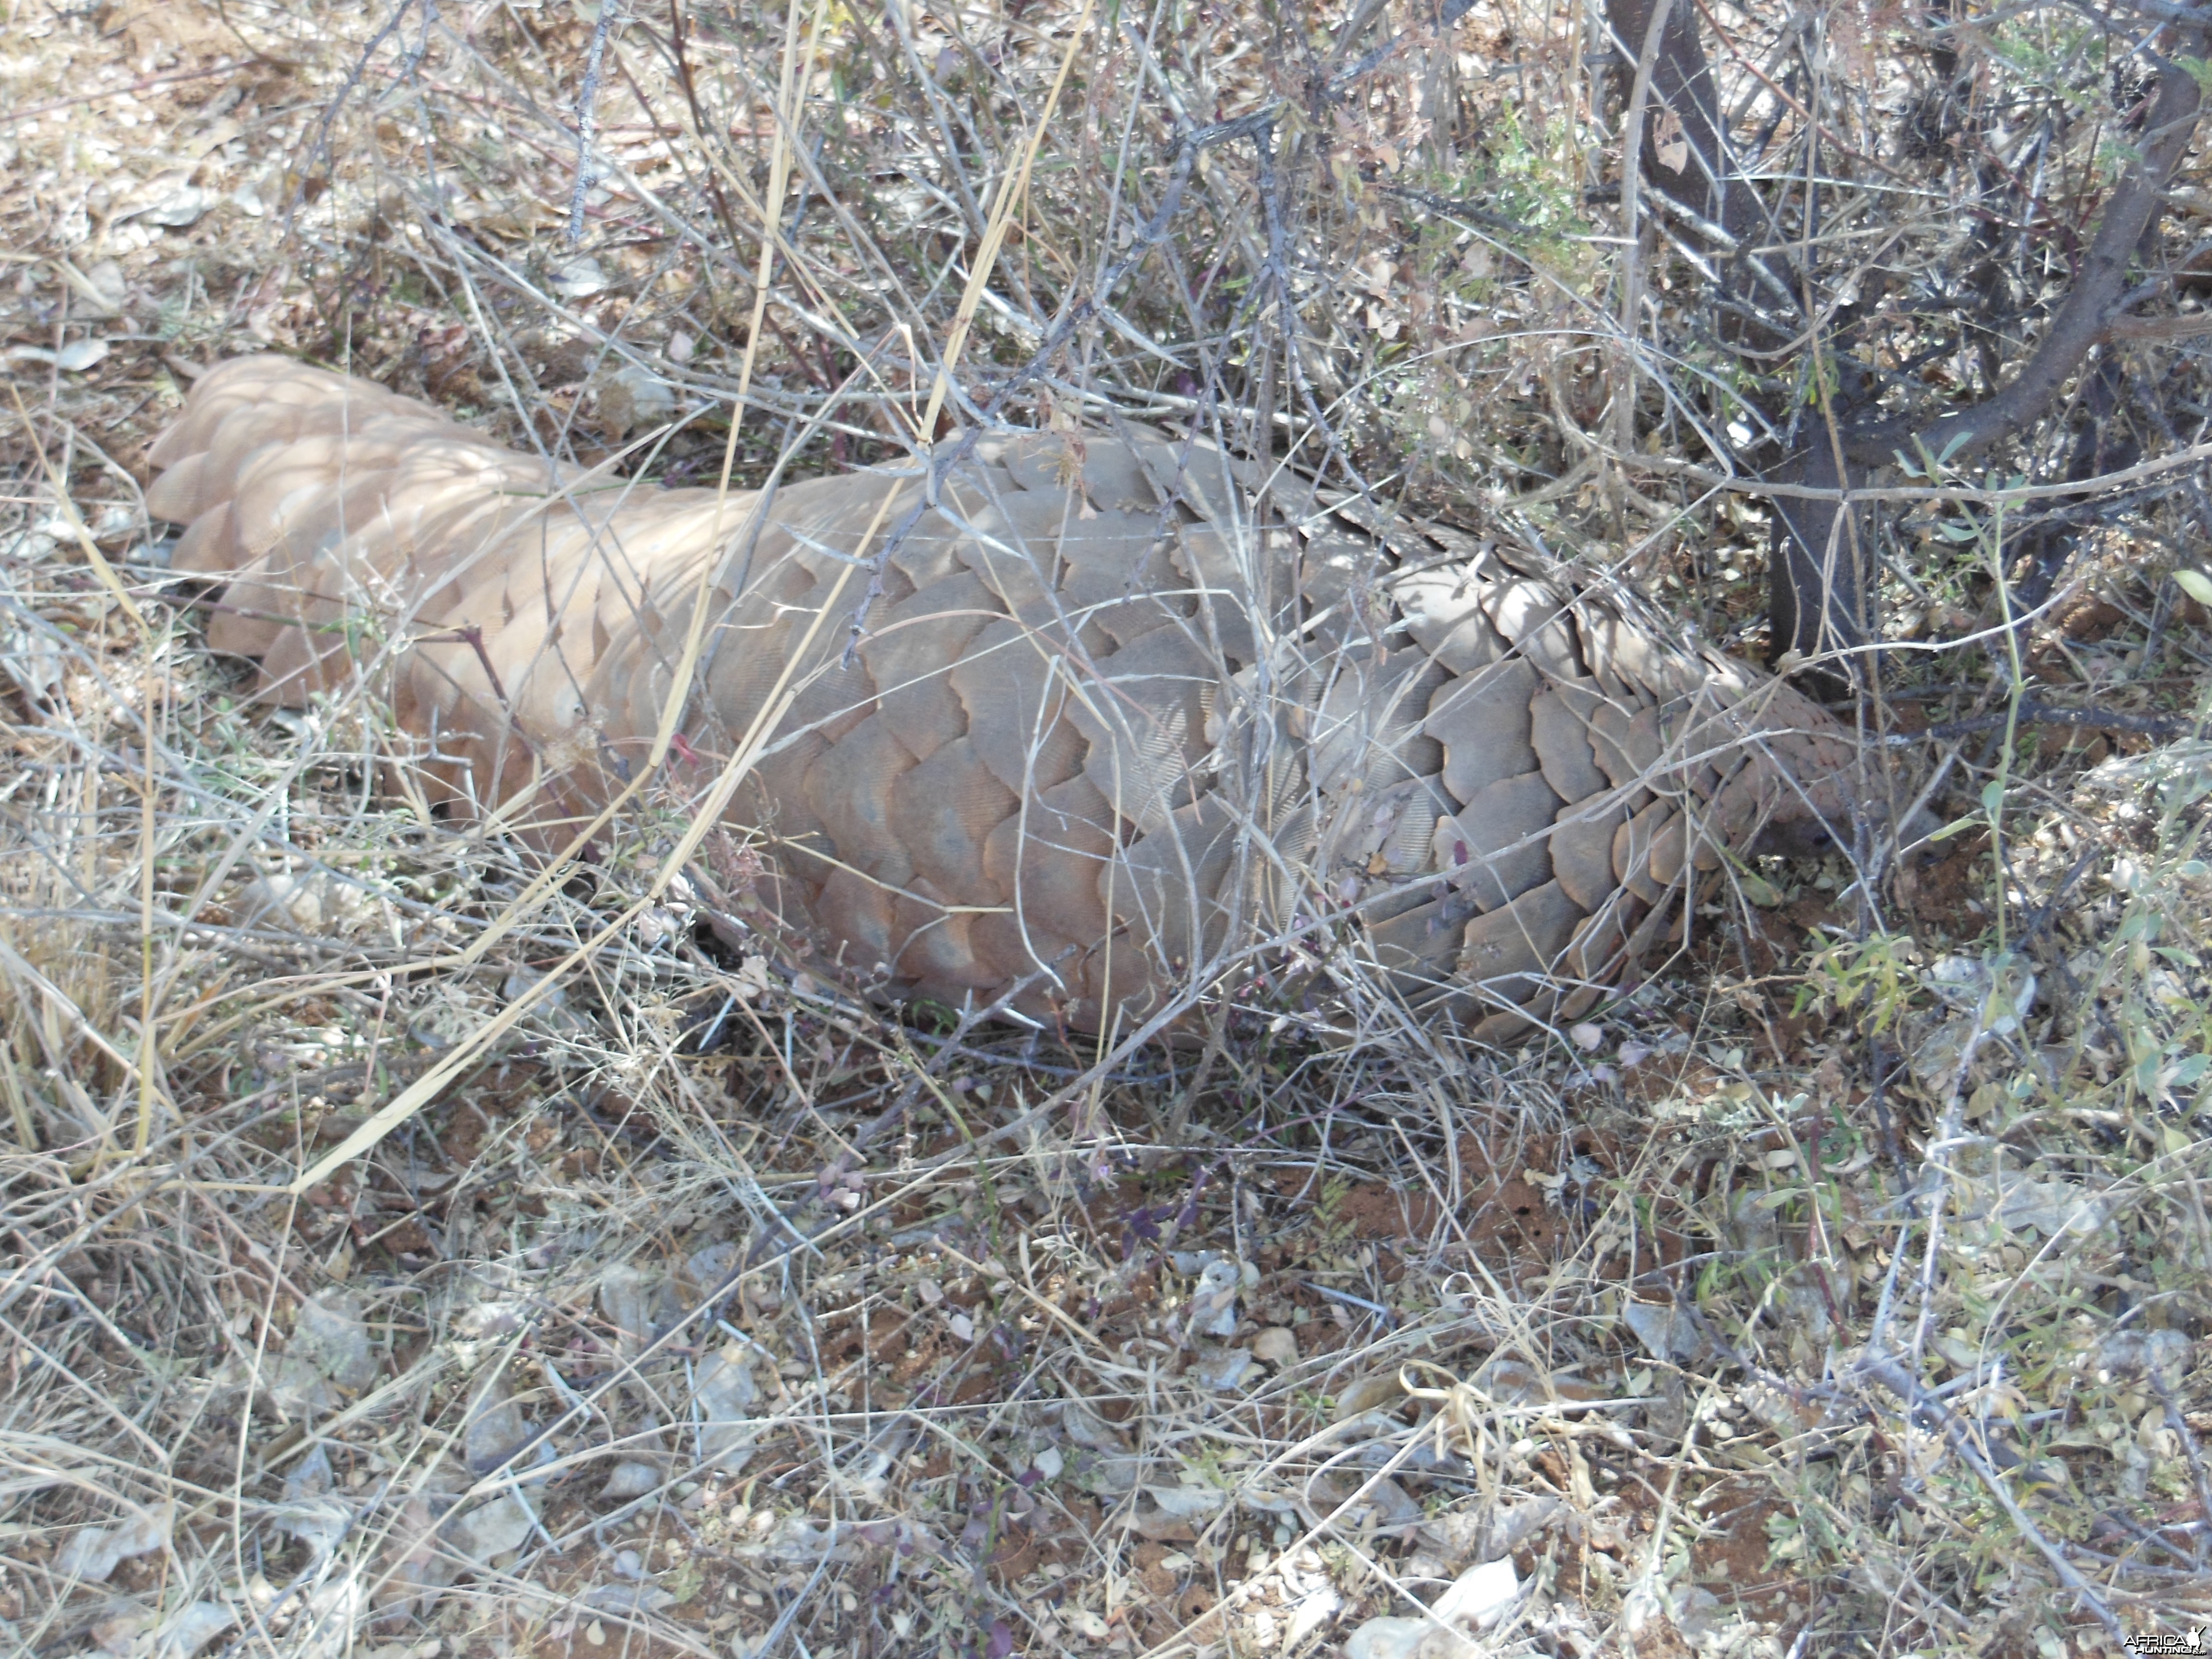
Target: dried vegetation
pixel 1841 1290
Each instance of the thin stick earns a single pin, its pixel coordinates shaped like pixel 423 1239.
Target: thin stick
pixel 586 95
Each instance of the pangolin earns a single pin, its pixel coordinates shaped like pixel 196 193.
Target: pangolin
pixel 1066 727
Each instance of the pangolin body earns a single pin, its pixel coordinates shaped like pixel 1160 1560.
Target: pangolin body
pixel 1103 729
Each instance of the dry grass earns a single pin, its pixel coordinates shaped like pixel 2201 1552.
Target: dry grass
pixel 1843 1290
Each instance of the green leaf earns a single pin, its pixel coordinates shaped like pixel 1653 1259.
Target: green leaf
pixel 1993 796
pixel 2196 584
pixel 1760 891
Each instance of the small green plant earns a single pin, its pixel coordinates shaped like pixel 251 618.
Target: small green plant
pixel 1871 978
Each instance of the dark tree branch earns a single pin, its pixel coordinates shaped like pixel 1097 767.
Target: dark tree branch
pixel 1818 593
pixel 1707 185
pixel 1816 585
pixel 2091 306
pixel 2031 712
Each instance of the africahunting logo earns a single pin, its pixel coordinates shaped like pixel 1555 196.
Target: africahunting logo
pixel 2169 1641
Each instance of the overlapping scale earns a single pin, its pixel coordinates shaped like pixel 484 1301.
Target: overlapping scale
pixel 1096 727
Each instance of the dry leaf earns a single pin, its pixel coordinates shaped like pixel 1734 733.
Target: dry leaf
pixel 93 1553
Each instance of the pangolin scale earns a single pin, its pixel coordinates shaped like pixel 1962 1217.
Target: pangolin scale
pixel 1089 728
